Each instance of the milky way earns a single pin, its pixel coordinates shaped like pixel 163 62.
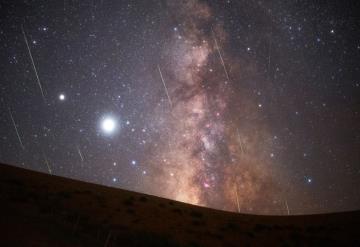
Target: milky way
pixel 208 156
pixel 245 106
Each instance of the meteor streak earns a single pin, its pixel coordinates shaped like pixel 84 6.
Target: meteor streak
pixel 269 55
pixel 163 81
pixel 237 199
pixel 47 163
pixel 221 58
pixel 17 132
pixel 80 154
pixel 240 142
pixel 287 207
pixel 32 62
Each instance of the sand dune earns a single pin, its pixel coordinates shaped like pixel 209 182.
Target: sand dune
pixel 42 210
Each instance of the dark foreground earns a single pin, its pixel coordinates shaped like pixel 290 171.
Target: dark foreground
pixel 42 210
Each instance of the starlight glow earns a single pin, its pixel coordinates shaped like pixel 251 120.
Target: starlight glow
pixel 108 125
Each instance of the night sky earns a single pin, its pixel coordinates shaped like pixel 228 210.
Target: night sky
pixel 249 106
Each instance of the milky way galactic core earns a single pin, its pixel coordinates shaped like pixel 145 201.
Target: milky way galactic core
pixel 245 106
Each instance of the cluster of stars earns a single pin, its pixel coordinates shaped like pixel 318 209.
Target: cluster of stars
pixel 209 104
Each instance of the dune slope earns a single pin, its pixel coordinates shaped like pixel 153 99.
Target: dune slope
pixel 42 210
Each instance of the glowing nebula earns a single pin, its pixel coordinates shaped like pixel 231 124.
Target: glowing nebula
pixel 215 155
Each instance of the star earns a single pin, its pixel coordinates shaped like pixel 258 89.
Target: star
pixel 62 97
pixel 108 125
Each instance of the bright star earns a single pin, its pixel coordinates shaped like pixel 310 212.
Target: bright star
pixel 62 97
pixel 108 125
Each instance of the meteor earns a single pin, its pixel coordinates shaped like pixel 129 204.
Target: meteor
pixel 221 58
pixel 33 64
pixel 240 142
pixel 47 163
pixel 237 199
pixel 80 154
pixel 163 81
pixel 16 130
pixel 287 207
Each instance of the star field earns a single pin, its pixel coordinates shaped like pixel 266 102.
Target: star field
pixel 245 106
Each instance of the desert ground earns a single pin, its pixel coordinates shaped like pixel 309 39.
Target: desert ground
pixel 43 210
